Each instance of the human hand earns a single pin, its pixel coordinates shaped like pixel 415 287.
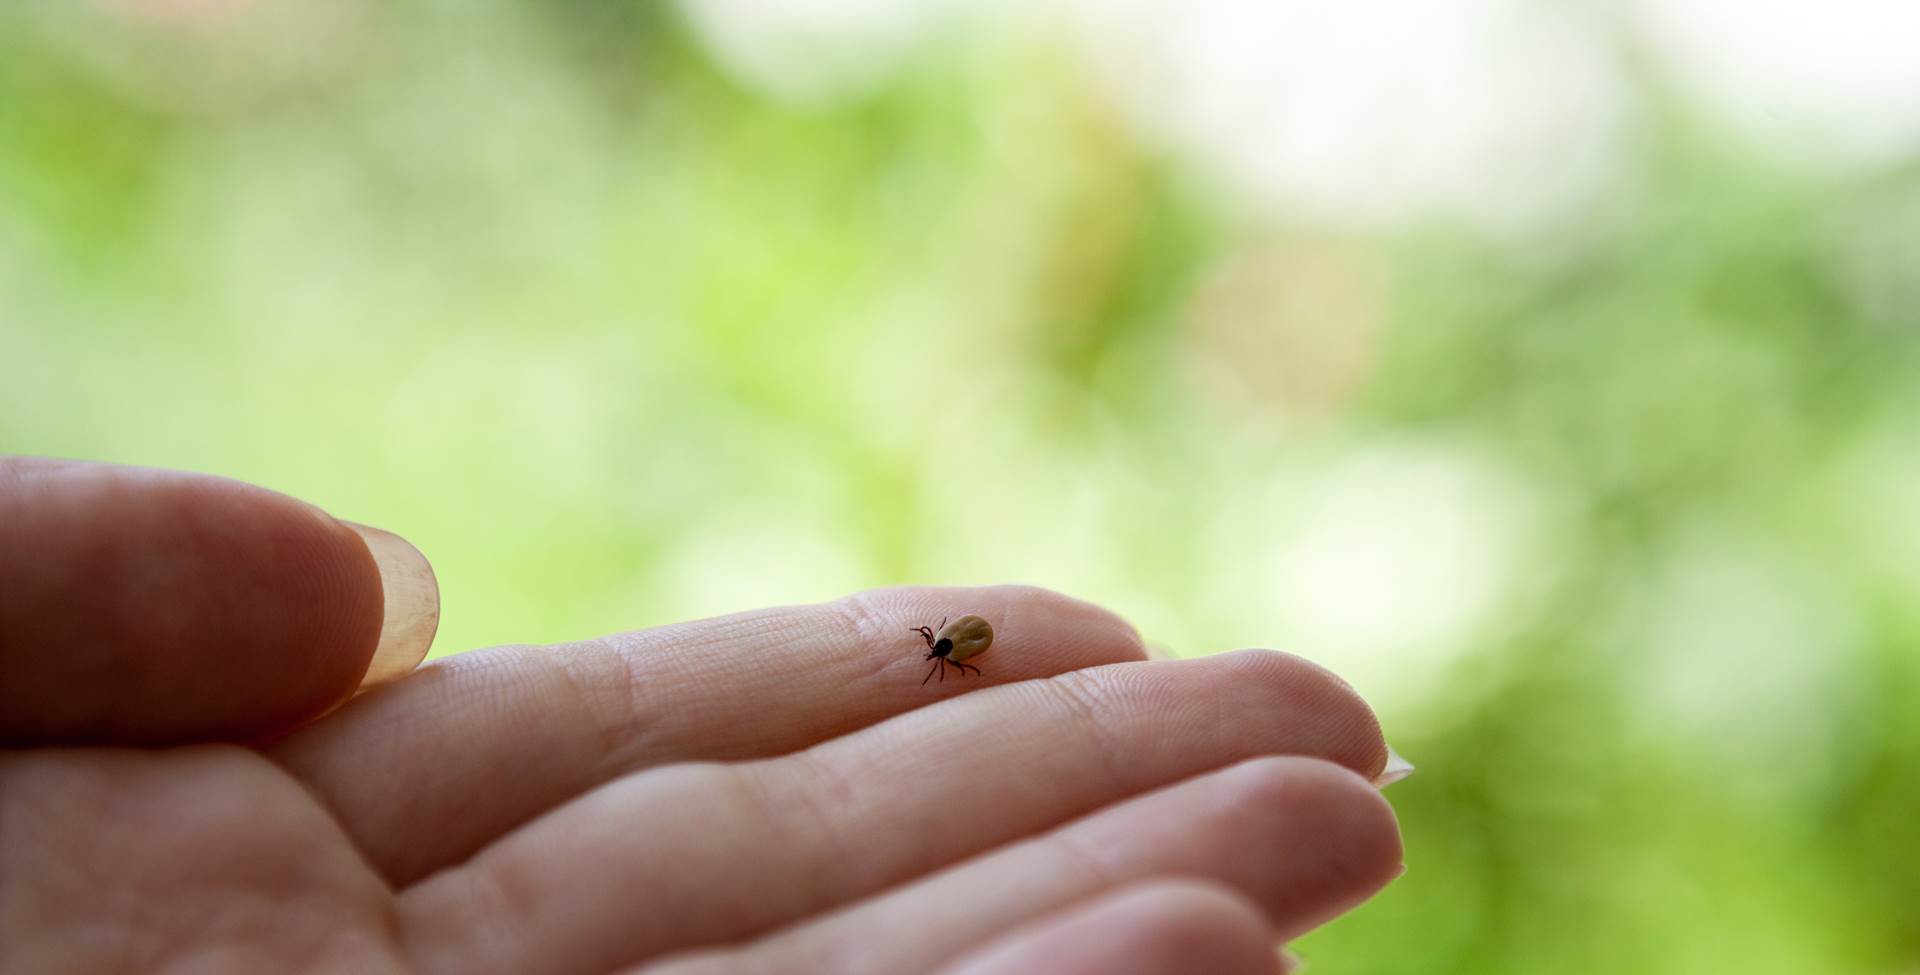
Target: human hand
pixel 770 792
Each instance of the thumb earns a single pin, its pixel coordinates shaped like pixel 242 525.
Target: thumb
pixel 152 607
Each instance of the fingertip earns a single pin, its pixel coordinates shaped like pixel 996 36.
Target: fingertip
pixel 1355 848
pixel 1354 737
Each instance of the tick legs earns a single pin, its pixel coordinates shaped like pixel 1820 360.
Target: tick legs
pixel 940 664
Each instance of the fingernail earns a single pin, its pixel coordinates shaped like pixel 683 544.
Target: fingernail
pixel 412 605
pixel 1397 768
pixel 1291 964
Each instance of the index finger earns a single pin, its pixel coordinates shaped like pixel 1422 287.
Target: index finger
pixel 428 770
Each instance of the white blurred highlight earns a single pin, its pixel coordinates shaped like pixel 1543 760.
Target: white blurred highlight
pixel 810 50
pixel 1391 563
pixel 1511 116
pixel 1502 112
pixel 1836 81
pixel 1371 112
pixel 758 558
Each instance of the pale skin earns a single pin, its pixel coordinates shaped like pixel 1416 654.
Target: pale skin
pixel 181 789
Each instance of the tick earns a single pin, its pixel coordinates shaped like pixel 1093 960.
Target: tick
pixel 964 638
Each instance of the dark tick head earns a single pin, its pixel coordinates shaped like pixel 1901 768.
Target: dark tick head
pixel 944 647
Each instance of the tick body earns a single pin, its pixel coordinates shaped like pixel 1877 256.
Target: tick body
pixel 963 639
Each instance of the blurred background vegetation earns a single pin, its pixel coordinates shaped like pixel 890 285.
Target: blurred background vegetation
pixel 1548 369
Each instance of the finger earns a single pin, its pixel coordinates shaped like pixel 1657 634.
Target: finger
pixel 1156 928
pixel 1303 839
pixel 145 607
pixel 494 738
pixel 858 814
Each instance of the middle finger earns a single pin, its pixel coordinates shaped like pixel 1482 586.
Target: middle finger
pixel 427 771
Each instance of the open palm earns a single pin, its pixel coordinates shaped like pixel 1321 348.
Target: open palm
pixel 767 792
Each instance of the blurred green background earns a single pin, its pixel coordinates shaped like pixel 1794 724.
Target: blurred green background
pixel 1548 369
